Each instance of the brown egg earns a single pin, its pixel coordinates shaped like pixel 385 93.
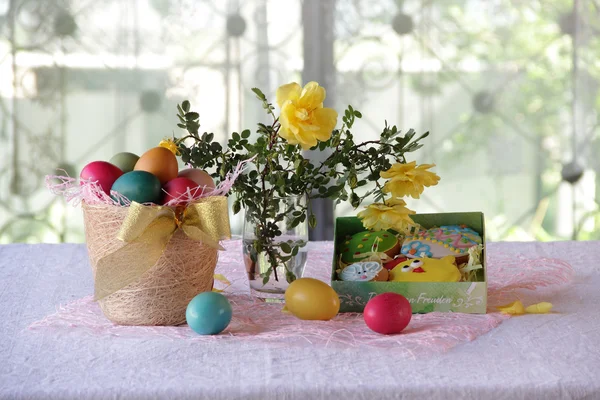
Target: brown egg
pixel 160 162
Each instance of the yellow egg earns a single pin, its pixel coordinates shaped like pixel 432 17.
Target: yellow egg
pixel 312 299
pixel 160 162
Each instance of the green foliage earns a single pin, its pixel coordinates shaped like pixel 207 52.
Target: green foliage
pixel 281 170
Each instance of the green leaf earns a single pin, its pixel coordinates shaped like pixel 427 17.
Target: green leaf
pixel 423 136
pixel 235 136
pixel 215 147
pixel 354 200
pixel 237 207
pixel 259 94
pixel 357 114
pixel 185 106
pixel 312 221
pixel 182 126
pixel 285 247
pixel 245 134
pixel 192 116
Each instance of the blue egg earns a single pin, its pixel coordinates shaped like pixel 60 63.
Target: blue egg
pixel 139 186
pixel 208 313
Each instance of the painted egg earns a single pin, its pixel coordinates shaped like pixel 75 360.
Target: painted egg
pixel 139 186
pixel 364 272
pixel 105 174
pixel 208 313
pixel 160 162
pixel 387 313
pixel 199 176
pixel 178 189
pixel 125 161
pixel 312 299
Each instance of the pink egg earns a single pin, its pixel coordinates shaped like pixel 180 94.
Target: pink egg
pixel 102 172
pixel 178 188
pixel 199 176
pixel 387 313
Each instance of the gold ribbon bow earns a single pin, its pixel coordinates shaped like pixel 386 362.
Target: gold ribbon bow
pixel 146 231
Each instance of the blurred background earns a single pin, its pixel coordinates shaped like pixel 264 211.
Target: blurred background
pixel 509 89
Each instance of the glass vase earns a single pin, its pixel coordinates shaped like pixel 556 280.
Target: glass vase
pixel 266 281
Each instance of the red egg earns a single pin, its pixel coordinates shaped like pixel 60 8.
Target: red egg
pixel 178 187
pixel 387 313
pixel 102 172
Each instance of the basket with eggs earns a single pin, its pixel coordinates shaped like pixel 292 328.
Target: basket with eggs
pixel 152 232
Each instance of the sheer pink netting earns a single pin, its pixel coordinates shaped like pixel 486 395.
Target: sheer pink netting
pixel 256 321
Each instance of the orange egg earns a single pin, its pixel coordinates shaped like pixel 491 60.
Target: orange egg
pixel 160 162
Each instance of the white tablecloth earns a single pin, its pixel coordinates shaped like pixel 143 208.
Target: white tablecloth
pixel 528 357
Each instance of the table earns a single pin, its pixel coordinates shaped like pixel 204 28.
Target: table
pixel 528 357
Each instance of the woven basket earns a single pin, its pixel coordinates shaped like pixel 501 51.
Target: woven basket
pixel 161 295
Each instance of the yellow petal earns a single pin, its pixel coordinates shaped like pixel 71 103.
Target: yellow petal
pixel 306 139
pixel 326 119
pixel 221 278
pixel 291 91
pixel 515 308
pixel 539 308
pixel 312 96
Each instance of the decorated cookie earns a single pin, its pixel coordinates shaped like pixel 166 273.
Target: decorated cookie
pixel 369 242
pixel 439 242
pixel 364 272
pixel 426 270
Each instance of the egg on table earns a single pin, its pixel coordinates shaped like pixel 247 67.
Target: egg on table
pixel 311 299
pixel 160 162
pixel 103 173
pixel 426 270
pixel 209 313
pixel 138 186
pixel 387 313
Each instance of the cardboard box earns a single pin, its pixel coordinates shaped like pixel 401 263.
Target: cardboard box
pixel 465 297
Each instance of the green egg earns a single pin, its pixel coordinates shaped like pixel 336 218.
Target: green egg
pixel 138 186
pixel 125 161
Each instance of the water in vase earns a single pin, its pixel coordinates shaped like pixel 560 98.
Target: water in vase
pixel 254 269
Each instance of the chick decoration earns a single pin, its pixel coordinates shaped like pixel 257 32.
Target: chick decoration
pixel 426 270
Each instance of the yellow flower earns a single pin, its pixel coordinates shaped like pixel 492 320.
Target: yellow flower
pixel 514 308
pixel 539 308
pixel 392 214
pixel 169 144
pixel 303 118
pixel 408 179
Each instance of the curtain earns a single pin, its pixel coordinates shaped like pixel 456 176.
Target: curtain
pixel 508 90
